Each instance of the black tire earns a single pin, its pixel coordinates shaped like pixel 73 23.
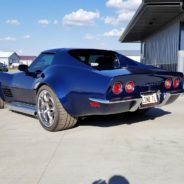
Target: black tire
pixel 62 120
pixel 1 103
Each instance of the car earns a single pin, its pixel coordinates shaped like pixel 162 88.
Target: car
pixel 63 85
pixel 3 68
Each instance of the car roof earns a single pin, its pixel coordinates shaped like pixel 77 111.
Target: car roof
pixel 69 49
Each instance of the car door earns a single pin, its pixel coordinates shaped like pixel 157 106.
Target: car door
pixel 24 82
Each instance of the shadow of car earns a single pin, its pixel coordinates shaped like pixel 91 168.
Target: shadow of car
pixel 116 179
pixel 123 118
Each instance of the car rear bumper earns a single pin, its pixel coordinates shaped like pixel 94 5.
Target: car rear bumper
pixel 129 105
pixel 169 98
pixel 132 103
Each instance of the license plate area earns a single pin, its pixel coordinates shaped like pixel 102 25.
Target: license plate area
pixel 149 99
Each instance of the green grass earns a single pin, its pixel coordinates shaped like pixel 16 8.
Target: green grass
pixel 13 70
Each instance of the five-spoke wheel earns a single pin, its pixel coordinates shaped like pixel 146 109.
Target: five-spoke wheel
pixel 46 108
pixel 51 114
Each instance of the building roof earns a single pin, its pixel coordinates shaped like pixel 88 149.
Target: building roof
pixel 150 17
pixel 129 52
pixel 6 54
pixel 27 57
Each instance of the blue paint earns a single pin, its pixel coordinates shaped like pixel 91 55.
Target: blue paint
pixel 74 83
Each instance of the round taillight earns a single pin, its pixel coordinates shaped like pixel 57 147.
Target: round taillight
pixel 129 87
pixel 117 88
pixel 176 83
pixel 168 83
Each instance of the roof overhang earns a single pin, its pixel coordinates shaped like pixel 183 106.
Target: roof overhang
pixel 151 15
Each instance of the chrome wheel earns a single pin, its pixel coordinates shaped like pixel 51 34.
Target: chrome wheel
pixel 46 108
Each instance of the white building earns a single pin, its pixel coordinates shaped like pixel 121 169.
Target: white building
pixel 27 60
pixel 9 58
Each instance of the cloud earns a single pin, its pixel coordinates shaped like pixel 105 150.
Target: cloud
pixel 13 22
pixel 27 36
pixel 111 33
pixel 91 37
pixel 80 18
pixel 121 17
pixel 110 20
pixel 44 22
pixel 114 33
pixel 8 38
pixel 125 10
pixel 124 4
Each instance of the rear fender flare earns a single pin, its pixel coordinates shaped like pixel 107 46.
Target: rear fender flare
pixel 1 93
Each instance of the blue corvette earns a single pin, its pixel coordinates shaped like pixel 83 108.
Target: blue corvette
pixel 62 85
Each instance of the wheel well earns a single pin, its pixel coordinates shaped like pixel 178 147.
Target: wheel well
pixel 44 84
pixel 39 86
pixel 1 93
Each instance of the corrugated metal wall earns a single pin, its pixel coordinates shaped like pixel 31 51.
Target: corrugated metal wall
pixel 161 49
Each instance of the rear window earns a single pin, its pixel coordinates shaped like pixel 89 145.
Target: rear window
pixel 98 59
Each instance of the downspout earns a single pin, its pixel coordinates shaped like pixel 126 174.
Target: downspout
pixel 182 5
pixel 180 65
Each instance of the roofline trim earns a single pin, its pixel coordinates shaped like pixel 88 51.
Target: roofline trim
pixel 131 22
pixel 141 10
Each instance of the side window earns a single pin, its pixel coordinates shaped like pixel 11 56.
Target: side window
pixel 82 59
pixel 93 58
pixel 42 62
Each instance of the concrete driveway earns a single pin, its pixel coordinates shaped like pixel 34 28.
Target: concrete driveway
pixel 118 149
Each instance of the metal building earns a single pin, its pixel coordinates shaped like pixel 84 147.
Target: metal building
pixel 159 26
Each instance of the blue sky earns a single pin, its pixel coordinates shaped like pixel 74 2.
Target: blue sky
pixel 28 27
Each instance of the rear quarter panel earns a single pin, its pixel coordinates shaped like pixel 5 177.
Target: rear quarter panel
pixel 74 85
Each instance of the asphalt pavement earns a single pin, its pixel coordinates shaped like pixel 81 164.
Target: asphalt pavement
pixel 117 149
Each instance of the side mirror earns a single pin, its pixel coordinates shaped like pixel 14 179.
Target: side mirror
pixel 23 68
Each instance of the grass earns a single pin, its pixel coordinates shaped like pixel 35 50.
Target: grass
pixel 13 70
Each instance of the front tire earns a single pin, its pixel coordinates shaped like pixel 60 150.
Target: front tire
pixel 51 114
pixel 1 103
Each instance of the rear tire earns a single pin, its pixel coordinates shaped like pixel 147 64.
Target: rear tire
pixel 52 115
pixel 1 103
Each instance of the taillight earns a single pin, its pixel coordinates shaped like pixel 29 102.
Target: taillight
pixel 129 87
pixel 176 82
pixel 94 104
pixel 168 83
pixel 117 88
